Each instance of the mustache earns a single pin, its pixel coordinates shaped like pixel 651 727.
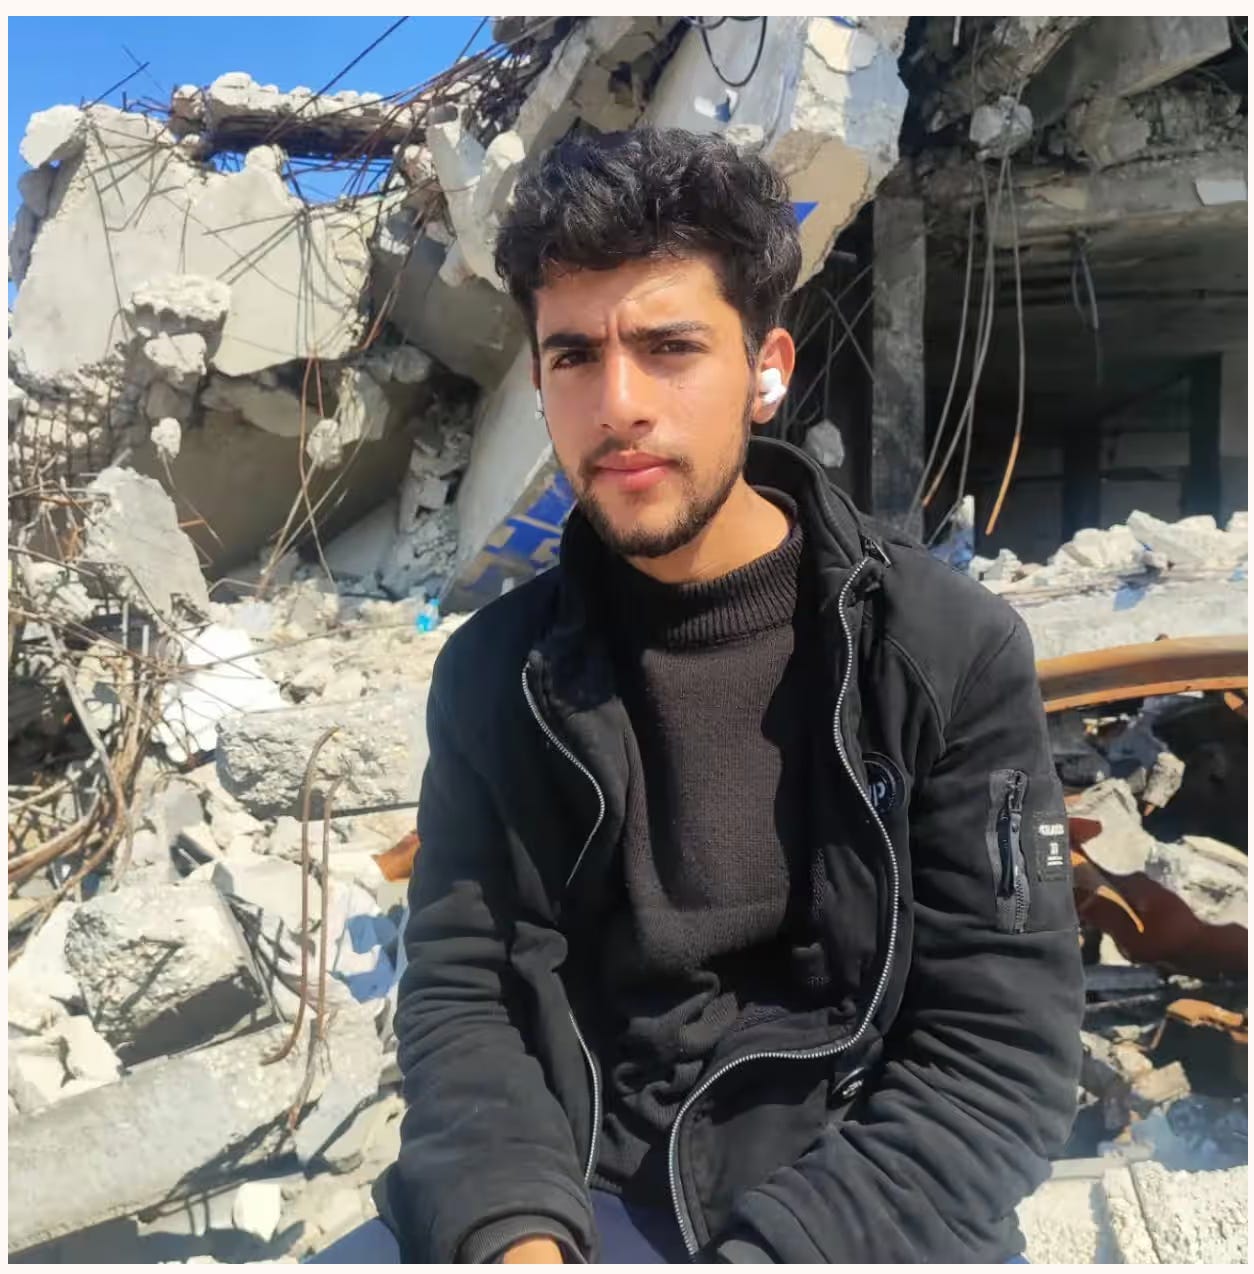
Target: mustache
pixel 611 446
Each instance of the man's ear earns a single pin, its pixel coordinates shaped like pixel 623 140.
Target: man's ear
pixel 778 355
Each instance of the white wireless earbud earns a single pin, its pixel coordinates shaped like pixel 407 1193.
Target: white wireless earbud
pixel 771 386
pixel 539 403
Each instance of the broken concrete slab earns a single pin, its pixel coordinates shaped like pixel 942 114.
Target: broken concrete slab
pixel 1121 57
pixel 36 187
pixel 380 753
pixel 178 360
pixel 53 135
pixel 210 1113
pixel 179 305
pixel 352 1087
pixel 1194 541
pixel 41 986
pixel 270 407
pixel 1195 1217
pixel 1122 846
pixel 163 968
pixel 212 225
pixel 134 548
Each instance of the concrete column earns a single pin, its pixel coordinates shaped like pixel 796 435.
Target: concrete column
pixel 898 433
pixel 1234 433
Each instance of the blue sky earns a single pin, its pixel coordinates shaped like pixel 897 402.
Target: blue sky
pixel 69 60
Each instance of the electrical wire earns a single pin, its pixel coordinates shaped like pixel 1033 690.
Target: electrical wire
pixel 1023 368
pixel 757 57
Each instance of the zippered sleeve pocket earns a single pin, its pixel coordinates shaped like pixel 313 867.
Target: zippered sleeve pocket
pixel 1008 790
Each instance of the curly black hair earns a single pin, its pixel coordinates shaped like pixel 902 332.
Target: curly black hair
pixel 595 202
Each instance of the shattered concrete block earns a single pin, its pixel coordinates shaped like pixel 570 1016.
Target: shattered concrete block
pixel 1000 129
pixel 363 407
pixel 1195 541
pixel 178 360
pixel 1060 1223
pixel 163 968
pixel 41 987
pixel 36 1073
pixel 1122 846
pixel 52 135
pixel 380 751
pixel 256 1209
pixel 180 303
pixel 135 550
pixel 1165 777
pixel 167 436
pixel 1211 877
pixel 1195 1218
pixel 35 187
pixel 219 675
pixel 1006 566
pixel 22 244
pixel 1111 549
pixel 87 1053
pixel 826 444
pixel 325 446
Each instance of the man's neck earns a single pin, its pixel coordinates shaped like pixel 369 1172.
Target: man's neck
pixel 746 528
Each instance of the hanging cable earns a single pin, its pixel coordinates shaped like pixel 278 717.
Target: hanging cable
pixel 1023 368
pixel 1080 263
pixel 757 57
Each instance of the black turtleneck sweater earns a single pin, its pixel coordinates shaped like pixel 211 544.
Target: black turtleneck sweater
pixel 719 684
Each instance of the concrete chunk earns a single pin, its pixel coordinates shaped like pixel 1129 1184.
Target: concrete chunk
pixel 135 549
pixel 87 1052
pixel 257 1207
pixel 381 751
pixel 163 968
pixel 1195 1217
pixel 178 360
pixel 54 134
pixel 36 1073
pixel 180 303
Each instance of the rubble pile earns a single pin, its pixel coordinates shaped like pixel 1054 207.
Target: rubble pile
pixel 257 444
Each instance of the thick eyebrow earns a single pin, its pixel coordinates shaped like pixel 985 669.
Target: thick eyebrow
pixel 637 336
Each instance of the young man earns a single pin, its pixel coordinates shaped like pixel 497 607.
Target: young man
pixel 742 927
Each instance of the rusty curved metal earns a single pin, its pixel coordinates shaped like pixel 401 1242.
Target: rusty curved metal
pixel 1170 666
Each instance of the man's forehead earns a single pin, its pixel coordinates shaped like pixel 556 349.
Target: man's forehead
pixel 651 290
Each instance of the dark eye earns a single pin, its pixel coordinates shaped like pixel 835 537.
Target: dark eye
pixel 678 347
pixel 570 358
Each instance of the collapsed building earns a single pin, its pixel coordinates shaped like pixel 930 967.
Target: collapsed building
pixel 265 451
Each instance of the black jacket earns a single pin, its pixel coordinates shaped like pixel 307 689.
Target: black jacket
pixel 905 1121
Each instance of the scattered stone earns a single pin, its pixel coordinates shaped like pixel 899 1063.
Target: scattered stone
pixel 87 1053
pixel 826 444
pixel 380 751
pixel 55 134
pixel 1113 549
pixel 163 968
pixel 135 550
pixel 41 987
pixel 167 437
pixel 256 1209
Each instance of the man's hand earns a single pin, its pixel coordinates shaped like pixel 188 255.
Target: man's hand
pixel 533 1252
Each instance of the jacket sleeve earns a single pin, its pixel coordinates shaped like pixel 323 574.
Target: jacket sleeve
pixel 978 1088
pixel 483 1140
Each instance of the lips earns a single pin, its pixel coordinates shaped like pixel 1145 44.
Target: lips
pixel 632 470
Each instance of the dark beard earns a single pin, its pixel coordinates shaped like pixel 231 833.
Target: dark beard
pixel 695 515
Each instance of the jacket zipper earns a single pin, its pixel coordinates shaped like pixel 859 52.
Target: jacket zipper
pixel 596 827
pixel 1013 882
pixel 827 1050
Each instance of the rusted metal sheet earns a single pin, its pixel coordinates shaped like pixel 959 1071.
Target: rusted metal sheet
pixel 1169 666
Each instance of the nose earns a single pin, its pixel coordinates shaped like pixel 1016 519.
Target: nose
pixel 625 407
